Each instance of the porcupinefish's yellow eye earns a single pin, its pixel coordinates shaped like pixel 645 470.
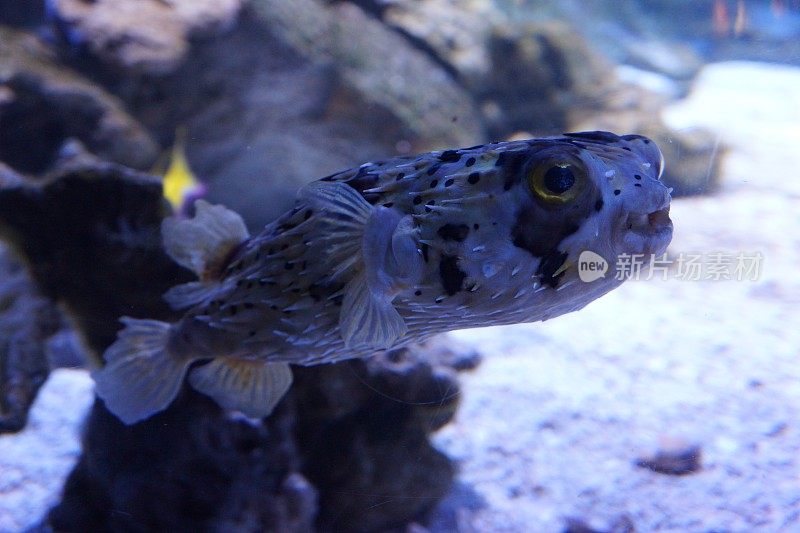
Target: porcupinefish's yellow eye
pixel 556 182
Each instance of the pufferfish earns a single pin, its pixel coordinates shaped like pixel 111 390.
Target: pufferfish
pixel 385 254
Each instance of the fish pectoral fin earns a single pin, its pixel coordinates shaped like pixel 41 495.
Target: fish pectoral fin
pixel 203 242
pixel 369 319
pixel 190 294
pixel 252 387
pixel 341 214
pixel 140 377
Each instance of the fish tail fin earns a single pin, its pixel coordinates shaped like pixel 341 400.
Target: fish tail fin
pixel 141 377
pixel 203 243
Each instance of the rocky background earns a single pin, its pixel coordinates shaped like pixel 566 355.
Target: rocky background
pixel 273 94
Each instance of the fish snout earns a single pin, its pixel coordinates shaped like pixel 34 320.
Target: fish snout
pixel 648 229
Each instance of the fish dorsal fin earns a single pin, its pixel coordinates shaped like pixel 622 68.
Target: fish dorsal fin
pixel 252 387
pixel 202 243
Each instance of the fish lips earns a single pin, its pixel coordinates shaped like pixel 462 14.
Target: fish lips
pixel 648 232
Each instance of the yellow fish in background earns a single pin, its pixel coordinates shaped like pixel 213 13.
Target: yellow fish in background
pixel 181 186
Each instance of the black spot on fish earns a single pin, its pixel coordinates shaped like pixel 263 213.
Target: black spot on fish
pixel 425 249
pixel 308 214
pixel 428 204
pixel 252 333
pixel 637 184
pixel 476 226
pixel 449 182
pixel 470 162
pixel 434 183
pixel 434 168
pixel 616 192
pixel 418 293
pixel 548 266
pixel 511 164
pixel 474 178
pixel 598 204
pixel 417 200
pixel 388 204
pixel 400 176
pixel 637 176
pixel 288 265
pixel 452 277
pixel 453 232
pixel 626 148
pixel 449 156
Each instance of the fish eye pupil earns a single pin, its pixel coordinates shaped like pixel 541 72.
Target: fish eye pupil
pixel 559 179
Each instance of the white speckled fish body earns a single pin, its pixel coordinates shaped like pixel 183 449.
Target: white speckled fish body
pixel 492 253
pixel 385 254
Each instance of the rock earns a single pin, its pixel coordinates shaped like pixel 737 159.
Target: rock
pixel 347 437
pixel 675 458
pixel 42 104
pixel 532 72
pixel 379 65
pixel 93 259
pixel 623 524
pixel 22 12
pixel 542 76
pixel 266 114
pixel 456 31
pixel 147 36
pixel 27 320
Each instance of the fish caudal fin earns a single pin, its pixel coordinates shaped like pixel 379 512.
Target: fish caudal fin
pixel 252 387
pixel 204 242
pixel 140 377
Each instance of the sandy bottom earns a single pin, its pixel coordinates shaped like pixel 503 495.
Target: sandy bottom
pixel 553 421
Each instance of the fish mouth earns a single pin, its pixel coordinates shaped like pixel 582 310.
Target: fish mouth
pixel 649 233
